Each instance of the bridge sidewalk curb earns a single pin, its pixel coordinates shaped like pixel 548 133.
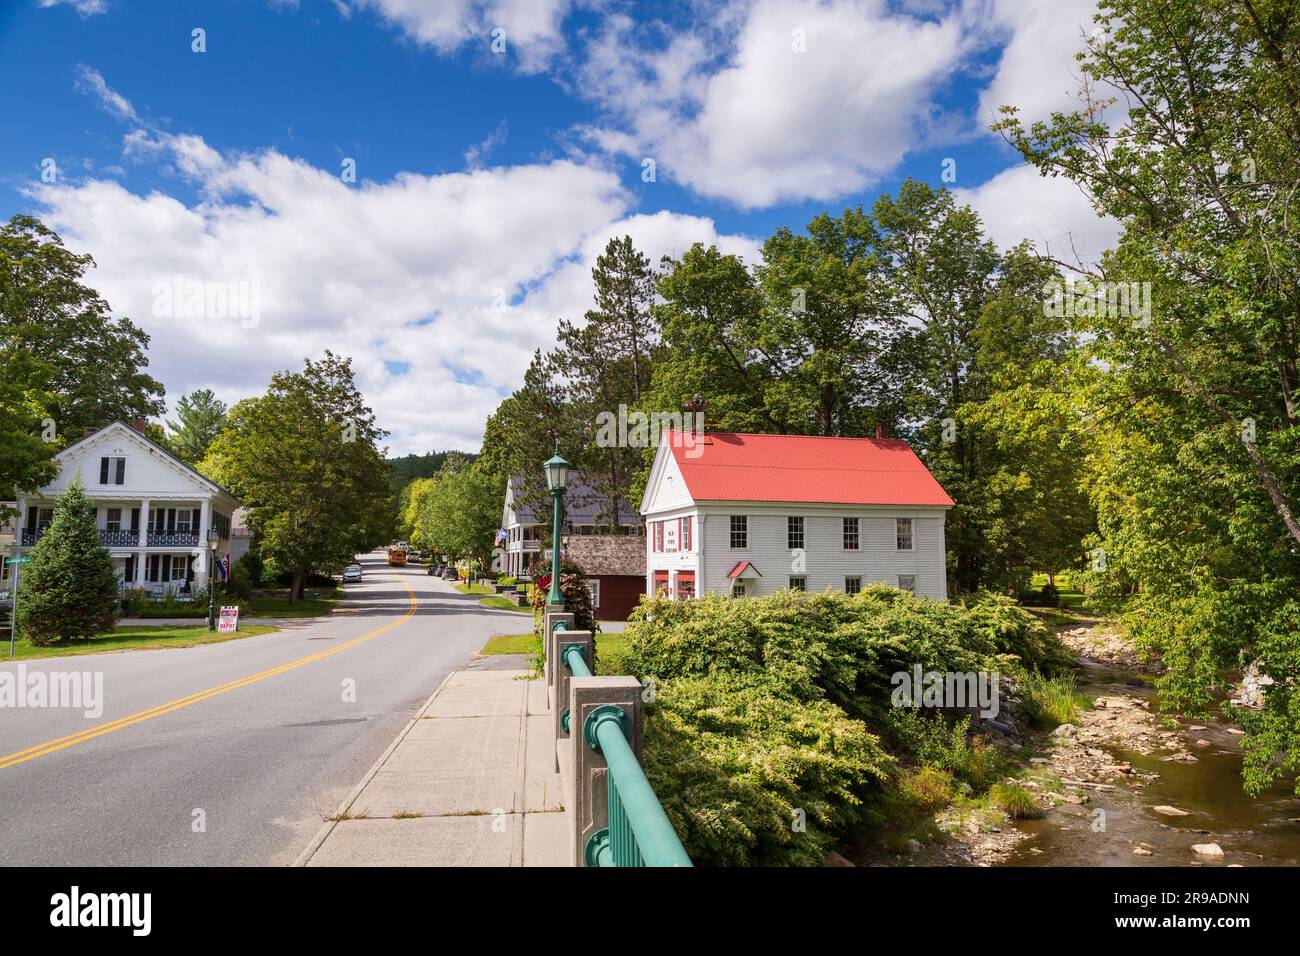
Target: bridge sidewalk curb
pixel 323 833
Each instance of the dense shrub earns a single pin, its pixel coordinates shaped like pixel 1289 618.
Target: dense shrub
pixel 253 566
pixel 240 584
pixel 734 759
pixel 766 706
pixel 835 646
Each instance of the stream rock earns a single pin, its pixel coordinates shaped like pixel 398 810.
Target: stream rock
pixel 1212 850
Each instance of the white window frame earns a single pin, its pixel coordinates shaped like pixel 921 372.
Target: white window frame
pixel 116 467
pixel 738 589
pixel 857 587
pixel 803 582
pixel 851 529
pixel 899 525
pixel 593 588
pixel 743 532
pixel 907 587
pixel 110 521
pixel 795 531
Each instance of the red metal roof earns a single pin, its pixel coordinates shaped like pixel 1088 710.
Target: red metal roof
pixel 729 466
pixel 739 569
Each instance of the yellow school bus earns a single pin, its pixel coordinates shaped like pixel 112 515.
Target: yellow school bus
pixel 396 557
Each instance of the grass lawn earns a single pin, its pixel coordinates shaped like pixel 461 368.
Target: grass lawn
pixel 610 648
pixel 142 638
pixel 274 604
pixel 1071 597
pixel 279 605
pixel 474 589
pixel 499 602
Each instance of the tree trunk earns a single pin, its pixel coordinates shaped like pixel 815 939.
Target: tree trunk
pixel 295 587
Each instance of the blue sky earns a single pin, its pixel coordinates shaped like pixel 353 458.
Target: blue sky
pixel 496 145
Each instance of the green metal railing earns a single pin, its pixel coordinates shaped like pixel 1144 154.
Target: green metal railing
pixel 639 832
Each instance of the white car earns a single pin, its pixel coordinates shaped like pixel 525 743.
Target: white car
pixel 352 573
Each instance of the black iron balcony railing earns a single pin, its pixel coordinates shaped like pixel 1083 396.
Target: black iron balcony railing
pixel 30 536
pixel 173 539
pixel 120 538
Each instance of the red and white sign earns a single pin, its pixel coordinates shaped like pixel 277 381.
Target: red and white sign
pixel 229 621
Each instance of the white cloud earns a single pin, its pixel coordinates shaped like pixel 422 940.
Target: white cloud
pixel 814 100
pixel 84 7
pixel 1020 204
pixel 531 28
pixel 91 81
pixel 407 271
pixel 1037 70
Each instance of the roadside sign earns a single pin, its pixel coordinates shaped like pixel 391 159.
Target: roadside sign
pixel 229 622
pixel 18 560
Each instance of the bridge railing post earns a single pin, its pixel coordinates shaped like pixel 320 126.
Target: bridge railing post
pixel 590 798
pixel 553 666
pixel 586 642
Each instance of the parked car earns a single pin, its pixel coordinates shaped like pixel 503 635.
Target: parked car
pixel 433 569
pixel 413 554
pixel 352 573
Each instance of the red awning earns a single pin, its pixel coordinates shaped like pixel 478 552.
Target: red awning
pixel 740 569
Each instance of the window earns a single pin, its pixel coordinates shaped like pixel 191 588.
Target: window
pixel 39 518
pixel 112 471
pixel 179 565
pixel 794 533
pixel 183 520
pixel 740 531
pixel 850 534
pixel 907 582
pixel 686 534
pixel 113 519
pixel 904 529
pixel 659 535
pixel 737 590
pixel 852 585
pixel 685 585
pixel 593 587
pixel 799 584
pixel 660 583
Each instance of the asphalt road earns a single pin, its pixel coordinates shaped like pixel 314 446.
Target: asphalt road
pixel 258 739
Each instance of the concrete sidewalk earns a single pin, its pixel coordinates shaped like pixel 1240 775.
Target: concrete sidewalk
pixel 471 781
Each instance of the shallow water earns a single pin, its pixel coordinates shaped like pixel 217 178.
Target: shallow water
pixel 1253 831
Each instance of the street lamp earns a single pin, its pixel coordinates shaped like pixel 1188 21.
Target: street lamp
pixel 213 538
pixel 557 474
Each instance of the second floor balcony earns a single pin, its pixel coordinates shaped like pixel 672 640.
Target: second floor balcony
pixel 125 538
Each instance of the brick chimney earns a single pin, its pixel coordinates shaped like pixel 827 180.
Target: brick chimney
pixel 138 423
pixel 880 431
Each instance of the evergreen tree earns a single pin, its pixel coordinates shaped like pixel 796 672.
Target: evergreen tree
pixel 200 418
pixel 69 591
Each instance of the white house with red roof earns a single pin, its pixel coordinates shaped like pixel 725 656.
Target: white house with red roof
pixel 748 515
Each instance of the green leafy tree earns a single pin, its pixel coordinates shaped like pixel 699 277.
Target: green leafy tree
pixel 28 459
pixel 1197 476
pixel 305 461
pixel 69 590
pixel 92 365
pixel 200 418
pixel 462 511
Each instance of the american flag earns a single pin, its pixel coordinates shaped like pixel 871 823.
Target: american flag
pixel 501 535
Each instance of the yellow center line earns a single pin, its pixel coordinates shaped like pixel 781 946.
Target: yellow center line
pixel 59 743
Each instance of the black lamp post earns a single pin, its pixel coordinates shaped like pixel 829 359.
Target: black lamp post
pixel 213 537
pixel 557 474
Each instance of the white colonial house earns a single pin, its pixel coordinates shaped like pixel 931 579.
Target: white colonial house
pixel 585 513
pixel 153 510
pixel 747 515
